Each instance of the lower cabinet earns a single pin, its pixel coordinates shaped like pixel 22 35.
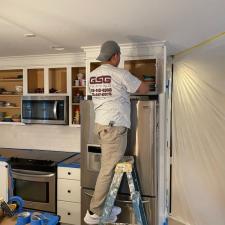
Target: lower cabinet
pixel 69 212
pixel 69 196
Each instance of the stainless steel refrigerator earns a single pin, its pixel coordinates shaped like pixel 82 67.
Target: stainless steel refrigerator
pixel 142 143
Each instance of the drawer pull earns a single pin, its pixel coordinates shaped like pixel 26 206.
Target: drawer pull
pixel 68 213
pixel 69 191
pixel 69 173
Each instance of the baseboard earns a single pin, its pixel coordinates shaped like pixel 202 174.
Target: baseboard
pixel 175 221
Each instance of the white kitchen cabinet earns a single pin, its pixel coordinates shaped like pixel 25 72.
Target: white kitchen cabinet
pixel 69 212
pixel 69 195
pixel 4 180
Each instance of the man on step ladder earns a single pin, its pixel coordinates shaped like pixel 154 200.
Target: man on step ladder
pixel 110 88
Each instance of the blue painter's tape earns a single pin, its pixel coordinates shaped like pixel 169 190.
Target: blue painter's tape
pixel 70 165
pixel 23 218
pixel 18 201
pixel 4 159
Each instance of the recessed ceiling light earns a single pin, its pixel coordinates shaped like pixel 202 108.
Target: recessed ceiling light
pixel 29 35
pixel 58 48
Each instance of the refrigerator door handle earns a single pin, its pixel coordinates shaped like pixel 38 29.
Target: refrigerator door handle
pixel 117 200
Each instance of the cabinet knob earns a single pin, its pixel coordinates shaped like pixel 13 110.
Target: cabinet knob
pixel 68 213
pixel 69 173
pixel 69 191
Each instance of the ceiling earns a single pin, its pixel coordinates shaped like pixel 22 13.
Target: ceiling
pixel 75 23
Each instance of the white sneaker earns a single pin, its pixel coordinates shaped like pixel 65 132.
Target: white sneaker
pixel 94 219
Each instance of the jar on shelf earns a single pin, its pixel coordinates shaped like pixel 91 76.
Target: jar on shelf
pixel 76 119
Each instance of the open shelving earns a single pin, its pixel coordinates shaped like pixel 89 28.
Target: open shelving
pixel 11 86
pixel 78 92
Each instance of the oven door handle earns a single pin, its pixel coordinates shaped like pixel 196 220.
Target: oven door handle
pixel 32 174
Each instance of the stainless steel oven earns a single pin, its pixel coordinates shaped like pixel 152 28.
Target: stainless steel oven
pixel 37 188
pixel 45 109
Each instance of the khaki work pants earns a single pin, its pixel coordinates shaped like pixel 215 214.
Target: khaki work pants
pixel 113 142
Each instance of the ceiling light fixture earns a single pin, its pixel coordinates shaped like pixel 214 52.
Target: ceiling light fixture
pixel 58 48
pixel 29 35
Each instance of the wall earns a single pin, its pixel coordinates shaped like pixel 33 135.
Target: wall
pixel 198 184
pixel 44 137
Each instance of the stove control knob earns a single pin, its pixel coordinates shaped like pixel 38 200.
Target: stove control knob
pixel 69 173
pixel 69 191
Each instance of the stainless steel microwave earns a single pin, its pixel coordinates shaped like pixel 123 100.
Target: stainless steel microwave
pixel 45 109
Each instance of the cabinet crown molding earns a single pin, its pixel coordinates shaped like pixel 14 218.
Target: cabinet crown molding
pixel 42 60
pixel 129 49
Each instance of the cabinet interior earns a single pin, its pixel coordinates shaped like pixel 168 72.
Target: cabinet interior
pixel 141 67
pixel 78 92
pixel 35 79
pixel 57 80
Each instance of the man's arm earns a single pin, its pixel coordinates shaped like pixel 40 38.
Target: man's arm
pixel 143 88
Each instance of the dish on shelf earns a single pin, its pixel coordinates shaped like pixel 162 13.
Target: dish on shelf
pixel 19 89
pixel 9 104
pixel 8 93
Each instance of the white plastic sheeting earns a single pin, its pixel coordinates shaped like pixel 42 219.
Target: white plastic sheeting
pixel 198 121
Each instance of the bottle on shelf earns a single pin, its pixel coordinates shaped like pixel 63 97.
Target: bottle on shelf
pixel 76 119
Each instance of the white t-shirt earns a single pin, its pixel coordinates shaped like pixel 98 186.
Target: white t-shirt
pixel 110 87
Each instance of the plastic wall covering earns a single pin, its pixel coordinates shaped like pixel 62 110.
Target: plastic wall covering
pixel 198 132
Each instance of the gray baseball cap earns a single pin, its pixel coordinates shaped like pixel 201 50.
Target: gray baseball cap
pixel 108 49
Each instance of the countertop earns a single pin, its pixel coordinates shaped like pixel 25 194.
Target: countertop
pixel 56 156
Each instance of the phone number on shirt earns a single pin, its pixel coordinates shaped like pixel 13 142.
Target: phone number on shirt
pixel 101 92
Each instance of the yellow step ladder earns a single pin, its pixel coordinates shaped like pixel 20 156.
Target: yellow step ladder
pixel 126 165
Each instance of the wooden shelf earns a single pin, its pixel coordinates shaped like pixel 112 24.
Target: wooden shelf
pixel 10 95
pixel 75 103
pixel 12 123
pixel 16 79
pixel 8 107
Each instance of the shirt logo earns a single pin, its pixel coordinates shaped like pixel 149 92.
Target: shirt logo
pixel 100 80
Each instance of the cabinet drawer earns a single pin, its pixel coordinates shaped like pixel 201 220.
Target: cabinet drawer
pixel 68 190
pixel 69 212
pixel 69 173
